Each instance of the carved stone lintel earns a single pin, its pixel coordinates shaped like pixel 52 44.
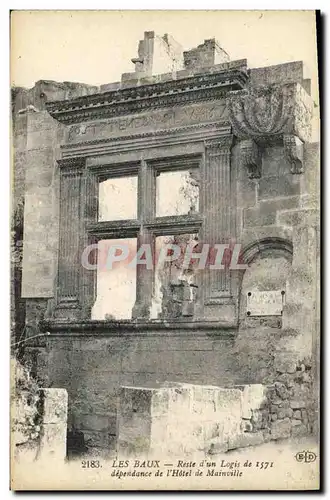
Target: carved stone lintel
pixel 250 155
pixel 294 150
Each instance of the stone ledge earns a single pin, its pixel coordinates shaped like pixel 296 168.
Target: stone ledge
pixel 138 328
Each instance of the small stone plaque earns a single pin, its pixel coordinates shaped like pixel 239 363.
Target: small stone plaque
pixel 265 303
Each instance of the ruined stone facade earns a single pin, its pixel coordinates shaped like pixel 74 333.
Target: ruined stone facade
pixel 247 132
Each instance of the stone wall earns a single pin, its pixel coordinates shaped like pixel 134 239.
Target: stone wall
pixel 38 418
pixel 184 419
pixel 93 370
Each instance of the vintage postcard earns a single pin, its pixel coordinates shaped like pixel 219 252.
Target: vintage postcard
pixel 165 250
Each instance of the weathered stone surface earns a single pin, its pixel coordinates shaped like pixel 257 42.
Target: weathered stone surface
pixel 285 362
pixel 256 217
pixel 285 412
pixel 299 430
pixel 217 446
pixel 273 187
pixel 296 405
pixel 281 390
pixel 197 413
pixel 286 379
pixel 53 442
pixel 55 405
pixel 246 439
pixel 281 429
pixel 246 425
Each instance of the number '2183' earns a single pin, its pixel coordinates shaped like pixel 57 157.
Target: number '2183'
pixel 90 464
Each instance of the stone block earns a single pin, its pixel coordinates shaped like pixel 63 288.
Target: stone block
pixel 246 425
pixel 284 404
pixel 110 86
pixel 253 396
pixel 297 405
pixel 216 446
pixel 295 422
pixel 281 390
pixel 299 430
pixel 160 403
pixel 281 429
pixel 286 379
pixel 53 442
pixel 284 412
pixel 274 162
pixel 154 420
pixel 246 190
pixel 275 187
pixel 159 433
pixel 297 217
pixel 273 206
pixel 279 73
pixel 246 439
pixel 135 400
pixel 296 414
pixel 285 362
pixel 55 405
pixel 256 217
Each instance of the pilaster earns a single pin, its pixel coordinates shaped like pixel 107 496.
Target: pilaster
pixel 215 295
pixel 68 303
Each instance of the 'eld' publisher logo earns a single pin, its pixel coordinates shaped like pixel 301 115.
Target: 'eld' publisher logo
pixel 305 456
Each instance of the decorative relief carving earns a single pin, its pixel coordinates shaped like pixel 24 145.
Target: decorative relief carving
pixel 153 121
pixel 251 159
pixel 261 112
pixel 294 149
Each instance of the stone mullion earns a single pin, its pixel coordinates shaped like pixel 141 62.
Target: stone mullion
pixel 146 210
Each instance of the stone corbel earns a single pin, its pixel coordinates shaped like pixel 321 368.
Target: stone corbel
pixel 294 150
pixel 251 159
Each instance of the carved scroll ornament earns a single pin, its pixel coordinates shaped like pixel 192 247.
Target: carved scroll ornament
pixel 259 115
pixel 261 112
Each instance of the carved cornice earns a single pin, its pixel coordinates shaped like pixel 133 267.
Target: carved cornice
pixel 263 112
pixel 145 97
pixel 251 159
pixel 294 149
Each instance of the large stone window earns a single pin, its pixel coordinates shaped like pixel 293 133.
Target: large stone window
pixel 180 200
pixel 127 208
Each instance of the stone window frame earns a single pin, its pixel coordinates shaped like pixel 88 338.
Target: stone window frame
pixel 79 227
pixel 146 227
